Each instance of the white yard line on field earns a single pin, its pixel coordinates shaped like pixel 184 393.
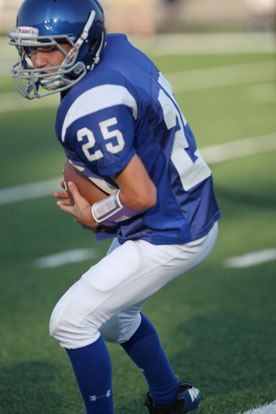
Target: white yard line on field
pixel 12 101
pixel 196 79
pixel 251 259
pixel 265 409
pixel 79 255
pixel 29 191
pixel 213 154
pixel 238 149
pixel 62 258
pixel 207 43
pixel 223 76
pixel 261 93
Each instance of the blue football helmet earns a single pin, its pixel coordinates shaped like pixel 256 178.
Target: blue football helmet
pixel 49 24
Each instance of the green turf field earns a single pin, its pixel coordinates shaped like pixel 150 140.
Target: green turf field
pixel 217 324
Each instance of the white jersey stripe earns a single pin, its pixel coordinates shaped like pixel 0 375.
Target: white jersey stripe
pixel 96 99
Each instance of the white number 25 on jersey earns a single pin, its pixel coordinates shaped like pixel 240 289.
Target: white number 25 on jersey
pixel 107 135
pixel 191 173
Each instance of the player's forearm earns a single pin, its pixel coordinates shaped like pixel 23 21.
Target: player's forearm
pixel 137 190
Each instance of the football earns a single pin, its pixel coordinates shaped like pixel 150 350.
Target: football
pixel 87 189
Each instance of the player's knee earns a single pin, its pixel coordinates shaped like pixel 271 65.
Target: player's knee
pixel 120 329
pixel 69 326
pixel 68 334
pixel 110 331
pixel 56 325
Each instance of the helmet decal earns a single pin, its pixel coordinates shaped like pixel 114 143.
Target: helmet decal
pixel 28 31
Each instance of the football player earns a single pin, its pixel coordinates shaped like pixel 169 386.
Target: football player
pixel 120 124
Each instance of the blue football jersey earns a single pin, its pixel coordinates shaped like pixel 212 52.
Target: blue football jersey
pixel 125 106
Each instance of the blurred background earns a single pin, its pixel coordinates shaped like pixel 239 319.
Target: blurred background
pixel 146 17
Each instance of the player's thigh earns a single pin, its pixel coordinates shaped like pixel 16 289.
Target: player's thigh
pixel 97 296
pixel 127 276
pixel 133 272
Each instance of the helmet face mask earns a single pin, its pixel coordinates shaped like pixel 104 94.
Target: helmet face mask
pixel 28 79
pixel 85 40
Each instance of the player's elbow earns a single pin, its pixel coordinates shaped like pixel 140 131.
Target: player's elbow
pixel 139 198
pixel 146 199
pixel 152 199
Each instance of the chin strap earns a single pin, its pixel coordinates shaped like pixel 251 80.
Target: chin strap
pixel 83 36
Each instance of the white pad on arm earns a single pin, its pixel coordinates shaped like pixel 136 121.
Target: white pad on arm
pixel 110 210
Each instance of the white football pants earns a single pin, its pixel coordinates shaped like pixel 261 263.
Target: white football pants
pixel 108 298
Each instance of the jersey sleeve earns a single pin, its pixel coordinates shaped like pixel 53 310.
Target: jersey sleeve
pixel 99 127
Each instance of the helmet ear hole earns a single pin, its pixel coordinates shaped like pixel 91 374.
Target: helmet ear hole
pixel 91 45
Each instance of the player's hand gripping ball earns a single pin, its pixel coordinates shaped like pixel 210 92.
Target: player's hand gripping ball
pixel 87 189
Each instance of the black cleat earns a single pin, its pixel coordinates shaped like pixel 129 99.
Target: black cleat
pixel 187 399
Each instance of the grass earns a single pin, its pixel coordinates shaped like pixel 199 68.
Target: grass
pixel 216 324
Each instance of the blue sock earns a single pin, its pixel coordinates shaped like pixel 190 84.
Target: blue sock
pixel 92 367
pixel 145 350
